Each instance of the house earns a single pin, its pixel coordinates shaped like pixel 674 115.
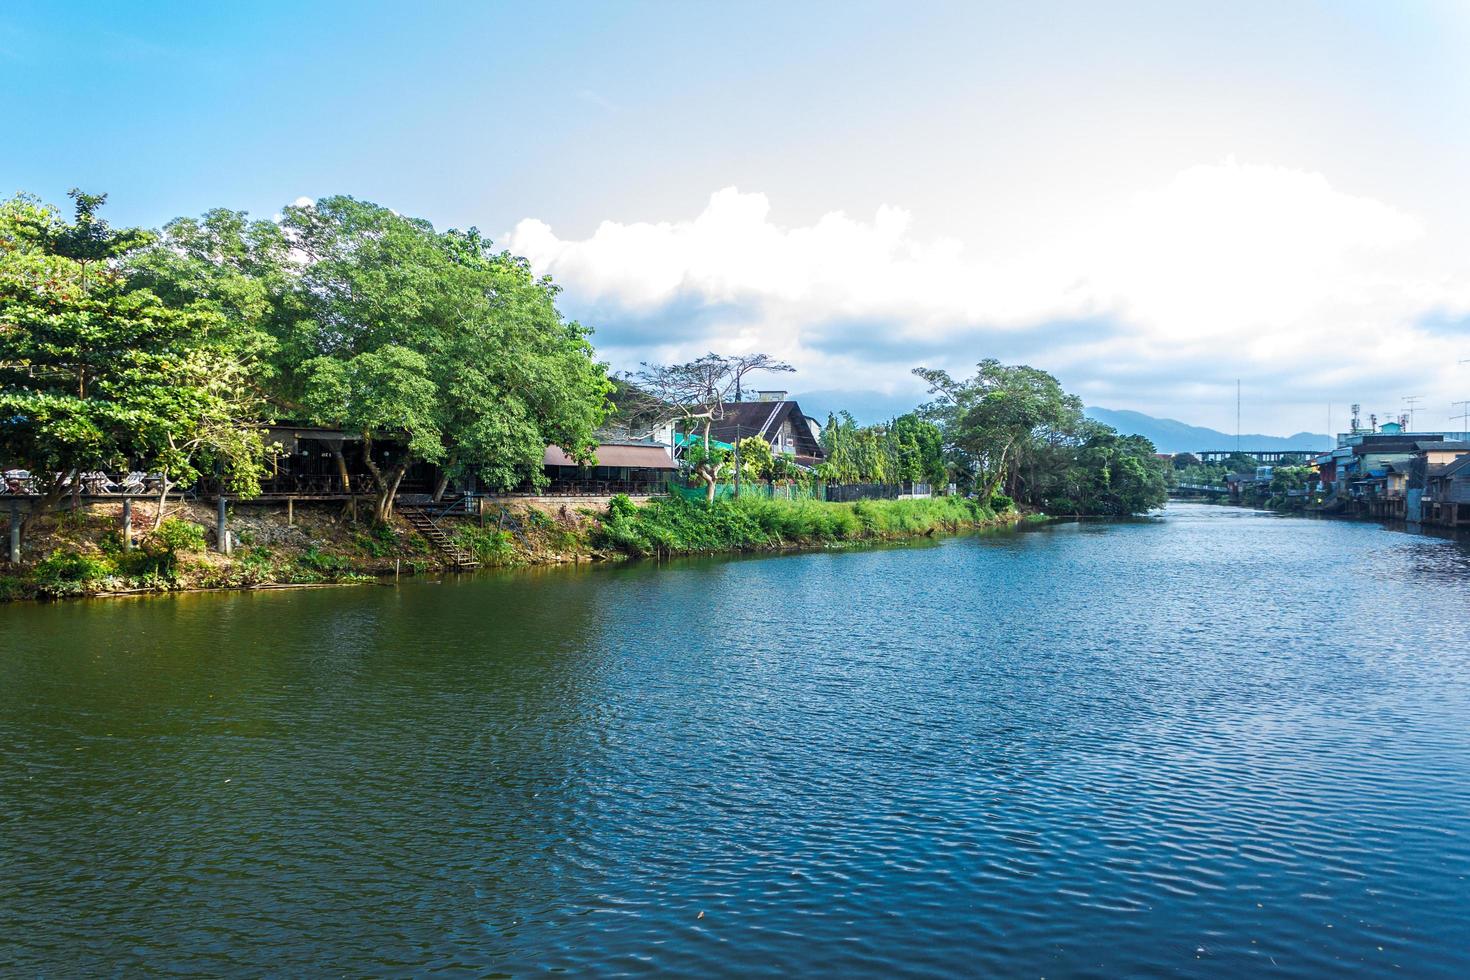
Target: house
pixel 632 466
pixel 1446 496
pixel 778 420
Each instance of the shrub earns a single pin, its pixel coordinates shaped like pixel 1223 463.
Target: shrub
pixel 318 561
pixel 490 545
pixel 379 542
pixel 1000 503
pixel 678 526
pixel 175 535
pixel 66 573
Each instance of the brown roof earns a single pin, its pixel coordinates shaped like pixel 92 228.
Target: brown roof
pixel 742 420
pixel 644 457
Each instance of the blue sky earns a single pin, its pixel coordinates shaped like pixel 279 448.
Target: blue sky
pixel 1150 200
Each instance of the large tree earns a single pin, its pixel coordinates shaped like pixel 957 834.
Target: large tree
pixel 995 419
pixel 1112 475
pixel 432 341
pixel 918 447
pixel 97 371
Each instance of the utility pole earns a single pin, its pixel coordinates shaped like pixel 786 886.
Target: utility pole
pixel 1237 415
pixel 1464 414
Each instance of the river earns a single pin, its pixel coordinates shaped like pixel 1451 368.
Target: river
pixel 1209 742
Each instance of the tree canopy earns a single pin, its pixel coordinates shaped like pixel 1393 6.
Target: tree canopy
pixel 453 350
pixel 98 371
pixel 1014 427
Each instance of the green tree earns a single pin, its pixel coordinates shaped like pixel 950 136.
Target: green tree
pixel 1111 475
pixel 757 462
pixel 1287 486
pixel 995 420
pixel 919 448
pixel 98 372
pixel 435 341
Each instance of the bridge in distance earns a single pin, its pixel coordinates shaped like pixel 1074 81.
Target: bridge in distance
pixel 1259 455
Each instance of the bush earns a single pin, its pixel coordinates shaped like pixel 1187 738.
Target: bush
pixel 175 535
pixel 317 561
pixel 490 545
pixel 380 542
pixel 675 526
pixel 1000 503
pixel 66 573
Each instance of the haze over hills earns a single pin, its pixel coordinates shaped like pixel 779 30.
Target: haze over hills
pixel 1173 436
pixel 1167 435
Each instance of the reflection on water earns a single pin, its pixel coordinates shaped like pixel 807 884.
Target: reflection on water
pixel 1213 742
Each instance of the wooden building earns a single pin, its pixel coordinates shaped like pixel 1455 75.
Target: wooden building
pixel 1446 500
pixel 776 419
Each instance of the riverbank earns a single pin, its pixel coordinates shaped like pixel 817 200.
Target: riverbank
pixel 81 553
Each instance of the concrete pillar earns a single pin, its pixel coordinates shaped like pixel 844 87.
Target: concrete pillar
pixel 15 532
pixel 127 530
pixel 221 530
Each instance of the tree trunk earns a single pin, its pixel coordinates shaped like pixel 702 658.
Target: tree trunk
pixel 1000 472
pixel 385 486
pixel 710 474
pixel 162 500
pixel 342 470
pixel 440 485
pixel 47 502
pixel 387 493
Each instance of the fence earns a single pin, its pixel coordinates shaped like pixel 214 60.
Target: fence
pixel 875 491
pixel 834 492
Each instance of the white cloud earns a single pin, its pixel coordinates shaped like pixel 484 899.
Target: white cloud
pixel 1228 269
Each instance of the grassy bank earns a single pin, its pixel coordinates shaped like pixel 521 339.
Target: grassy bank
pixel 675 527
pixel 81 553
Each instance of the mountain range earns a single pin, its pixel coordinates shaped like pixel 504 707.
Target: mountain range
pixel 1172 436
pixel 1167 435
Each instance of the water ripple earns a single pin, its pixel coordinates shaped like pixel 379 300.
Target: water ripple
pixel 1214 743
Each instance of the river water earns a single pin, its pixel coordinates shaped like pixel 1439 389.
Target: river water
pixel 1203 743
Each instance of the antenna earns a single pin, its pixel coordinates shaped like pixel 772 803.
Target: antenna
pixel 1357 420
pixel 1464 413
pixel 1237 415
pixel 1413 401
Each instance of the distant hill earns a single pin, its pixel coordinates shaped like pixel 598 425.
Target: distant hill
pixel 1171 436
pixel 868 407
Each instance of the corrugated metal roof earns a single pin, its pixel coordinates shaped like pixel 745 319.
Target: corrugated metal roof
pixel 645 457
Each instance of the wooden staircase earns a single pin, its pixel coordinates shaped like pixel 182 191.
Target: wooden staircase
pixel 423 522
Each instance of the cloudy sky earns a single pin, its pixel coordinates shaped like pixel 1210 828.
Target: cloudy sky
pixel 1150 200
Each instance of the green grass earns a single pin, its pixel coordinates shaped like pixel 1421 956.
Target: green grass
pixel 675 526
